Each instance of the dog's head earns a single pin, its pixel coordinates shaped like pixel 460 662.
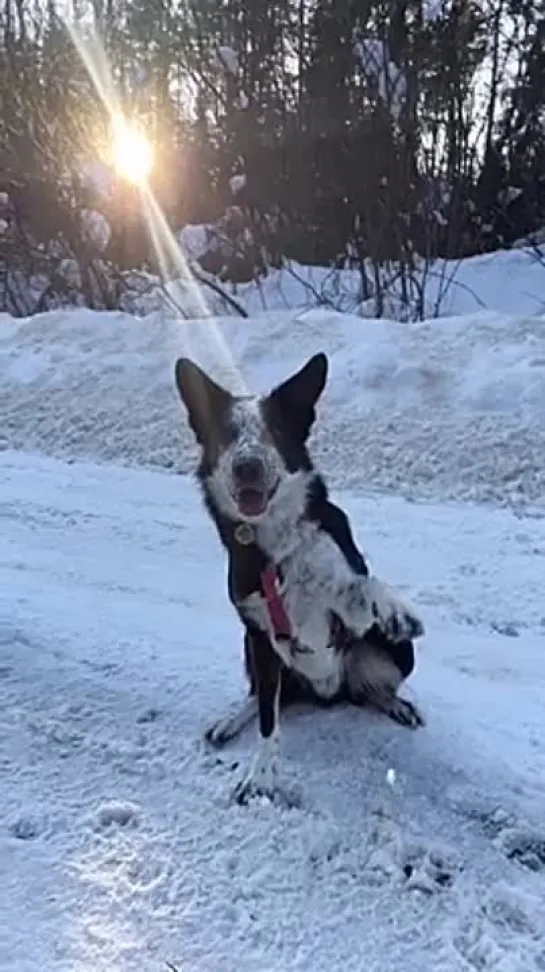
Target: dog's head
pixel 251 447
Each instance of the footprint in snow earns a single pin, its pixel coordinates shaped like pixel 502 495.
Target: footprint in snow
pixel 501 931
pixel 520 843
pixel 514 910
pixel 508 629
pixel 524 845
pixel 116 813
pixel 24 827
pixel 430 867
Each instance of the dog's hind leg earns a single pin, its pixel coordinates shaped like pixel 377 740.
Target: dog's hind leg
pixel 233 722
pixel 374 672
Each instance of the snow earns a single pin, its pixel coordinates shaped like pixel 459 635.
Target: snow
pixel 96 227
pixel 99 177
pixel 374 58
pixel 507 281
pixel 120 845
pixel 434 10
pixel 450 408
pixel 237 183
pixel 228 58
pixel 510 282
pixel 193 239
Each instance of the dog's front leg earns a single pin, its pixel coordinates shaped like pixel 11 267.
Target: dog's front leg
pixel 367 601
pixel 261 780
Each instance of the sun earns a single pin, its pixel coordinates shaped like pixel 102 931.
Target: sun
pixel 131 151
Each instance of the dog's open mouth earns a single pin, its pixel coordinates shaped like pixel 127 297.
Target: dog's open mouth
pixel 252 501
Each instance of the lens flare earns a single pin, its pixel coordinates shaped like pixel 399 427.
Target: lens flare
pixel 178 281
pixel 132 152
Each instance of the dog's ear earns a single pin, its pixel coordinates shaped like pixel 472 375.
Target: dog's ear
pixel 298 395
pixel 206 402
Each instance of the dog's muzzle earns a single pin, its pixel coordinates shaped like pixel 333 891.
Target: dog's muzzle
pixel 251 492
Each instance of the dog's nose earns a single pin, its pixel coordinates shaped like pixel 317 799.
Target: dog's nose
pixel 249 471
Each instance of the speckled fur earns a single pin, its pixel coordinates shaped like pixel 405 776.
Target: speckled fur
pixel 320 588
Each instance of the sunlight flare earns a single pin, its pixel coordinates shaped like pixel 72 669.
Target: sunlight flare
pixel 131 151
pixel 133 157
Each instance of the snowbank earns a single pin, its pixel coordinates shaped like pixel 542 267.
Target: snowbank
pixel 452 408
pixel 508 281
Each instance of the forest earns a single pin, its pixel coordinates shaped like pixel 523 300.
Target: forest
pixel 333 133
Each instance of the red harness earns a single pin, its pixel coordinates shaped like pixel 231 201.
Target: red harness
pixel 270 584
pixel 275 605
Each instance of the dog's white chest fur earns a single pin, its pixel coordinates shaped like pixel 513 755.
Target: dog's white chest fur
pixel 311 653
pixel 316 582
pixel 309 580
pixel 312 567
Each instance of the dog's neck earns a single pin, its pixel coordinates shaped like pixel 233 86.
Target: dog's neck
pixel 276 538
pixel 278 533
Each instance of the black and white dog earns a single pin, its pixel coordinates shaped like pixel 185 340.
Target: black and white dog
pixel 317 625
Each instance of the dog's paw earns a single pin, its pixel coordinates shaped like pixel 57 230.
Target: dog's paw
pixel 400 710
pixel 223 730
pixel 220 732
pixel 232 723
pixel 397 620
pixel 249 789
pixel 405 713
pixel 254 789
pixel 261 781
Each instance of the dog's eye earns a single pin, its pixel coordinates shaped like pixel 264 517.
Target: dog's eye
pixel 274 430
pixel 230 431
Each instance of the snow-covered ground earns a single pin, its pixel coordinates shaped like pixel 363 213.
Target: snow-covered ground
pixel 119 845
pixel 450 408
pixel 120 848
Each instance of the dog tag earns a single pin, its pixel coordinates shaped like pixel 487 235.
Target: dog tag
pixel 244 533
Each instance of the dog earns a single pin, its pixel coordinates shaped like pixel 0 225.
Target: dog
pixel 317 625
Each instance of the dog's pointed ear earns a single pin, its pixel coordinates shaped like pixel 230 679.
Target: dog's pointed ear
pixel 205 401
pixel 297 396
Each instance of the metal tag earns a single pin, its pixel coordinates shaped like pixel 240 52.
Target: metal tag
pixel 245 535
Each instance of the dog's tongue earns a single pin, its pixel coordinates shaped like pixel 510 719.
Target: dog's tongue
pixel 251 502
